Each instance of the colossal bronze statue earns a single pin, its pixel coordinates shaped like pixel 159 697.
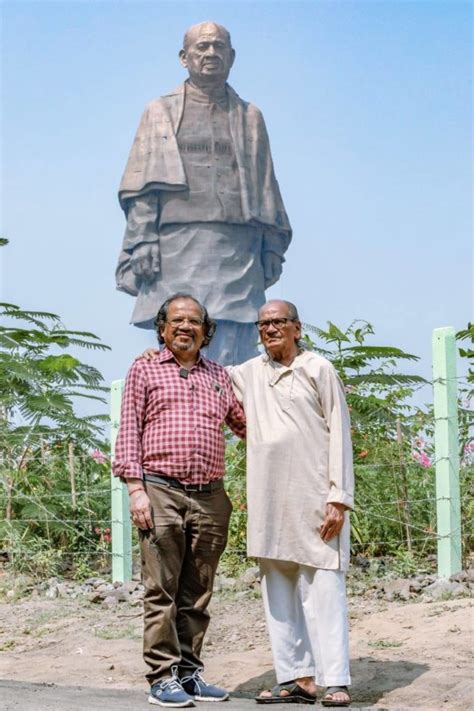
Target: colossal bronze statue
pixel 203 207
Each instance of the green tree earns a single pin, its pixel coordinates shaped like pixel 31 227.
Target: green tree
pixel 44 444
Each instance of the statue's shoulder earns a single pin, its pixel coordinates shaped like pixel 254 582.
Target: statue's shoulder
pixel 246 106
pixel 163 104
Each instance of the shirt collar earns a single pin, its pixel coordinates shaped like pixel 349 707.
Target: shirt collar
pixel 278 370
pixel 166 355
pixel 219 96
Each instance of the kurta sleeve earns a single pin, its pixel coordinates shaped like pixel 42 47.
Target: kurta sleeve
pixel 235 418
pixel 128 448
pixel 237 378
pixel 336 414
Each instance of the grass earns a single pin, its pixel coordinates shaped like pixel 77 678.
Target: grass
pixel 8 645
pixel 384 643
pixel 127 632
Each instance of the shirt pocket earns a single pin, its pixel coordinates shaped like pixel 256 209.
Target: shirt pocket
pixel 211 403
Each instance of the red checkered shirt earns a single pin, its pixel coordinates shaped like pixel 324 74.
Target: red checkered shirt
pixel 171 425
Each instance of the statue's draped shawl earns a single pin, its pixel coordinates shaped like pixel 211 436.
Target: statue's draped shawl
pixel 155 163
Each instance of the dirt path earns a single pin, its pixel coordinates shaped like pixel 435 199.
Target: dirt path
pixel 403 655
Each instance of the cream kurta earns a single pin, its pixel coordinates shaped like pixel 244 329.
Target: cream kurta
pixel 299 457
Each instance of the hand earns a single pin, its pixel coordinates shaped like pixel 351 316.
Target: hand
pixel 140 508
pixel 149 353
pixel 145 260
pixel 333 521
pixel 272 268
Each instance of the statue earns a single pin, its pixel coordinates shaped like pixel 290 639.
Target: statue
pixel 203 207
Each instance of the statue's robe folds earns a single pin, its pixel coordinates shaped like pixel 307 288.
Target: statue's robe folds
pixel 219 263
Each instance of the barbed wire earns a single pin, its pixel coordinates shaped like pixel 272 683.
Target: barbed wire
pixel 55 518
pixel 243 551
pixel 39 521
pixel 61 494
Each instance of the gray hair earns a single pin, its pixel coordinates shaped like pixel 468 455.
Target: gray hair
pixel 160 321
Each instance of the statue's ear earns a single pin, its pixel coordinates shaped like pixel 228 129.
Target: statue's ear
pixel 183 58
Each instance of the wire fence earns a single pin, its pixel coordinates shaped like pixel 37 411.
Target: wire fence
pixel 69 528
pixel 55 501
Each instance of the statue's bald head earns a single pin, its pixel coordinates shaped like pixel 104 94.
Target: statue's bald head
pixel 207 54
pixel 207 26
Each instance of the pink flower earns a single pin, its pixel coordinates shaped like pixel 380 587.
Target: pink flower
pixel 98 456
pixel 422 458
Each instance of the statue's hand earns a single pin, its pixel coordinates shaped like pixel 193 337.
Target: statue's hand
pixel 145 260
pixel 272 268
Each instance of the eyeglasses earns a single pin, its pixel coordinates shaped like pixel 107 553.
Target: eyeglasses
pixel 194 322
pixel 276 322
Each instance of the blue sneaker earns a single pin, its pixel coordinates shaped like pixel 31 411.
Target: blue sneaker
pixel 170 693
pixel 200 690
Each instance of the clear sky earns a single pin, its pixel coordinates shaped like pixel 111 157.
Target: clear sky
pixel 368 107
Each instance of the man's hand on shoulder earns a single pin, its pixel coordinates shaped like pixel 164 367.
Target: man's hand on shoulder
pixel 149 354
pixel 333 521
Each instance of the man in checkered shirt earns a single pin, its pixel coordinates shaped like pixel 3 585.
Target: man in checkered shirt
pixel 170 452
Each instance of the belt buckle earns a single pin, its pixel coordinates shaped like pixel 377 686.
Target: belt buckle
pixel 192 487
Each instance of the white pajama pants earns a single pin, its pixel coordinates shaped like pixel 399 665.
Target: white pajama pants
pixel 307 621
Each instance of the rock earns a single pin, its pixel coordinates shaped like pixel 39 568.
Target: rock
pixel 416 584
pixel 52 592
pixel 398 588
pixel 360 562
pixel 251 577
pixel 459 577
pixel 104 587
pixel 63 590
pixel 130 586
pixel 110 602
pixel 94 596
pixel 119 594
pixel 93 581
pixel 223 583
pixel 443 589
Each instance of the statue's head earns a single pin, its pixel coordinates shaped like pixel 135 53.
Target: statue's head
pixel 207 54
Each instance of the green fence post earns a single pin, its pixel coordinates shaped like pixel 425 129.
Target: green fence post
pixel 121 526
pixel 446 451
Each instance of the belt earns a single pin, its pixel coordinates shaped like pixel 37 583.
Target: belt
pixel 176 484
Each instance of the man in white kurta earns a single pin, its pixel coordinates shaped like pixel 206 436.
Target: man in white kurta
pixel 300 486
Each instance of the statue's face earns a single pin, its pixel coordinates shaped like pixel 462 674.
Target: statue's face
pixel 208 55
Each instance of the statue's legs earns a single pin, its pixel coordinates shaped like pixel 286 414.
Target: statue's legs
pixel 233 343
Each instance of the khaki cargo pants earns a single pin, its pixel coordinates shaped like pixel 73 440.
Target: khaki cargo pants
pixel 179 559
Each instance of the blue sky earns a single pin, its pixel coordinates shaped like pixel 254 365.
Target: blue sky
pixel 368 107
